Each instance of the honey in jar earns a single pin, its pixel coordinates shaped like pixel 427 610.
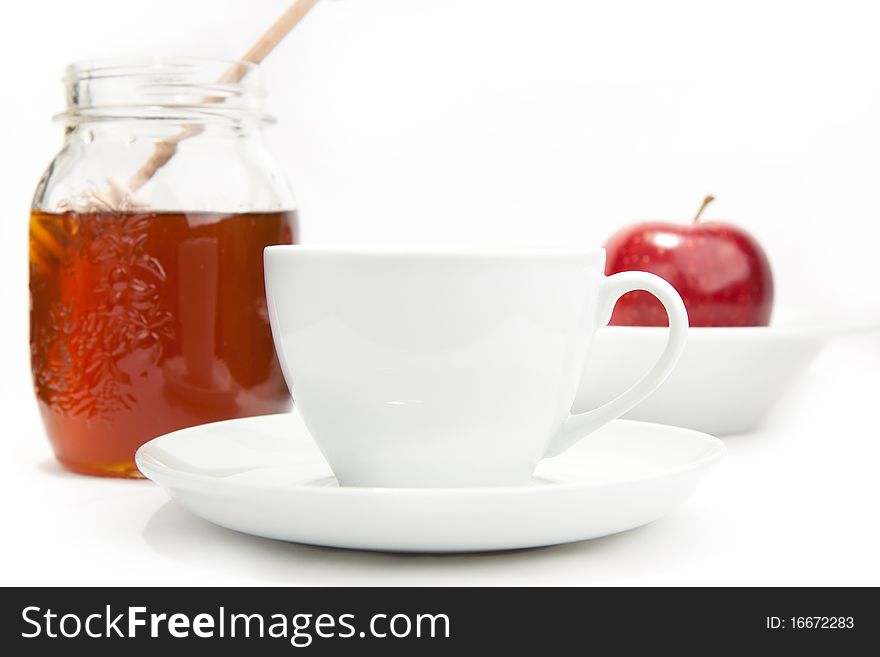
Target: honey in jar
pixel 144 323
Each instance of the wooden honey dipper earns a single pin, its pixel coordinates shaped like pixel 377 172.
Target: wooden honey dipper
pixel 166 148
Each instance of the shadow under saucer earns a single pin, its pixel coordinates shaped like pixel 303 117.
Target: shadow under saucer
pixel 666 544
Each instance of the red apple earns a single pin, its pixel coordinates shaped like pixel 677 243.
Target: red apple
pixel 720 271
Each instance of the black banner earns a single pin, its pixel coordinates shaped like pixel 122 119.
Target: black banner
pixel 333 621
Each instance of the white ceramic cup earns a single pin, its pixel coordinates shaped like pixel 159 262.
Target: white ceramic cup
pixel 448 368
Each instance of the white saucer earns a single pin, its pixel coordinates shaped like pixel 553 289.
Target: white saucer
pixel 726 382
pixel 265 476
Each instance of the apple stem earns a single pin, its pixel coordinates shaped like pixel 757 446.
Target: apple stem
pixel 706 201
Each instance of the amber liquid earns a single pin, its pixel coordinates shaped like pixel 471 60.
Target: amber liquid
pixel 144 323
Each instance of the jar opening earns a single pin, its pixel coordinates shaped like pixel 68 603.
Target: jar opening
pixel 176 89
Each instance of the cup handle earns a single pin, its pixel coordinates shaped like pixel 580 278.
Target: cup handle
pixel 579 425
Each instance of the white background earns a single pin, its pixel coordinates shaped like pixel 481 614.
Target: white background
pixel 508 122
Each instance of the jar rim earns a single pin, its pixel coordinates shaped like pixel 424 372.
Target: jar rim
pixel 140 65
pixel 196 89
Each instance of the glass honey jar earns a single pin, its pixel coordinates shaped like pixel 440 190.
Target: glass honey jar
pixel 148 310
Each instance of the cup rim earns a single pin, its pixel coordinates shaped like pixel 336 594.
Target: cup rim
pixel 430 251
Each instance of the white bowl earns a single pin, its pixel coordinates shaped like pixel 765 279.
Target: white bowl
pixel 726 382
